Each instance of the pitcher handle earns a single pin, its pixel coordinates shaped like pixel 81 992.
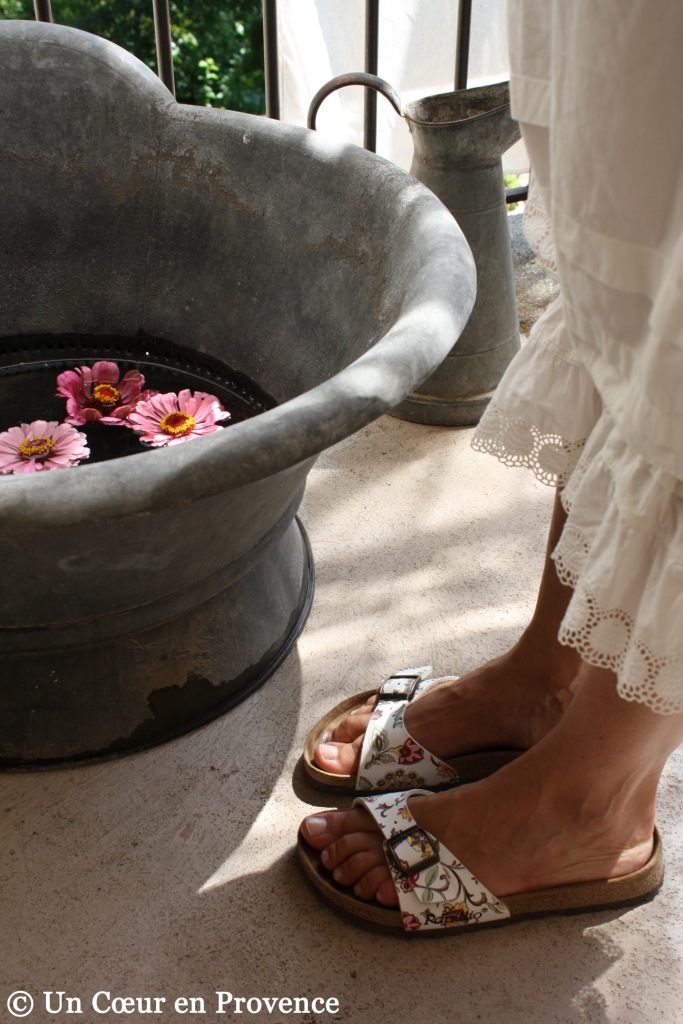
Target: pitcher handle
pixel 353 78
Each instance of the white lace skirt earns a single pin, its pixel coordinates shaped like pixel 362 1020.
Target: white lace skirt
pixel 593 403
pixel 622 545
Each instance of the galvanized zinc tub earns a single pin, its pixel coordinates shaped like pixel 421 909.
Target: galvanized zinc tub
pixel 143 596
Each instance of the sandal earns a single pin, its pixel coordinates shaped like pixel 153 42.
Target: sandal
pixel 390 758
pixel 437 892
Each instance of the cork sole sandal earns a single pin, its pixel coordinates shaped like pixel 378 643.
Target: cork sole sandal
pixel 438 894
pixel 390 758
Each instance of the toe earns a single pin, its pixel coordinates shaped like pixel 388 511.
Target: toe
pixel 323 829
pixel 339 758
pixel 377 885
pixel 352 844
pixel 352 850
pixel 386 893
pixel 339 750
pixel 355 868
pixel 367 707
pixel 353 726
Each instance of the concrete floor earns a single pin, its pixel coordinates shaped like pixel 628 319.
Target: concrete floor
pixel 172 873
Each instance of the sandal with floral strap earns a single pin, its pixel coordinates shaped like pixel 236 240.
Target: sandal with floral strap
pixel 436 892
pixel 391 759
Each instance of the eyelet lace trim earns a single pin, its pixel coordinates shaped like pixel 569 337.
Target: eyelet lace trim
pixel 516 442
pixel 538 229
pixel 608 637
pixel 570 555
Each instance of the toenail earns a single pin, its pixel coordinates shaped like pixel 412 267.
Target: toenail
pixel 325 736
pixel 316 825
pixel 358 889
pixel 325 856
pixel 337 874
pixel 329 752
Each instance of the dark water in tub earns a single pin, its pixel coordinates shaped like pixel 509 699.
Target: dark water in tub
pixel 30 365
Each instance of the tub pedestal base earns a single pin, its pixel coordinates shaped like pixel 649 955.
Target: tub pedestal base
pixel 91 704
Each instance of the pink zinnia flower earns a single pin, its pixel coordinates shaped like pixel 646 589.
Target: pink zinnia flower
pixel 98 392
pixel 170 418
pixel 32 447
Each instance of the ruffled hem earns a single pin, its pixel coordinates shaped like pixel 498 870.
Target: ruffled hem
pixel 544 408
pixel 515 441
pixel 622 551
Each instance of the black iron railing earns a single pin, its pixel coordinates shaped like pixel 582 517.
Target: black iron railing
pixel 462 45
pixel 162 35
pixel 43 10
pixel 271 59
pixel 162 31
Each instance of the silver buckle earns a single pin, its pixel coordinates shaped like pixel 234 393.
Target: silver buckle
pixel 404 694
pixel 426 861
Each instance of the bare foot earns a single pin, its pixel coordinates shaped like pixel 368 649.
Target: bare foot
pixel 509 703
pixel 577 807
pixel 514 835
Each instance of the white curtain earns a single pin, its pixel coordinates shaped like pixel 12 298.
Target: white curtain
pixel 319 39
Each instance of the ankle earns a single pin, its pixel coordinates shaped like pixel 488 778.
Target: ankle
pixel 551 664
pixel 593 799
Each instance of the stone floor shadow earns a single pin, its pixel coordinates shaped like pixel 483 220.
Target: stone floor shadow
pixel 173 872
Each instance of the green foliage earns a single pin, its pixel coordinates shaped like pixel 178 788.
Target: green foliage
pixel 14 9
pixel 511 181
pixel 217 44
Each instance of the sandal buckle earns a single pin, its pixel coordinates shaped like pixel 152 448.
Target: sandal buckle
pixel 421 843
pixel 400 693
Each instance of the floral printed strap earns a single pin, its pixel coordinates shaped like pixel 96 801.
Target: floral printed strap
pixel 435 890
pixel 390 758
